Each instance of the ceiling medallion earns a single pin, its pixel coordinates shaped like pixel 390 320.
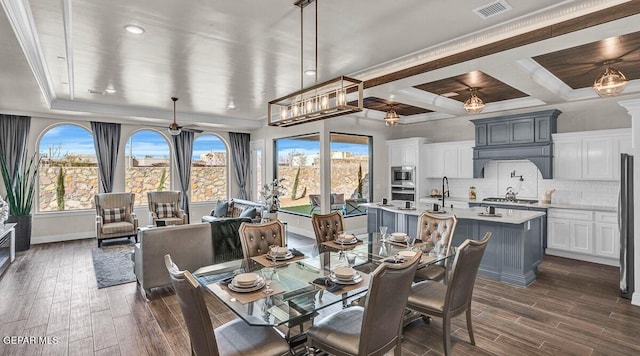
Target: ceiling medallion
pixel 391 119
pixel 339 96
pixel 174 129
pixel 474 104
pixel 610 83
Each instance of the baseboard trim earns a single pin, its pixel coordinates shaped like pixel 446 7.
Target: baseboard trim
pixel 58 238
pixel 576 256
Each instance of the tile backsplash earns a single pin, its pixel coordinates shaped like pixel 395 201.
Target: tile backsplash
pixel 497 178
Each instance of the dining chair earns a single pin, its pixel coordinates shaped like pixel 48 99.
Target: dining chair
pixel 327 226
pixel 376 327
pixel 435 229
pixel 256 238
pixel 446 301
pixel 233 338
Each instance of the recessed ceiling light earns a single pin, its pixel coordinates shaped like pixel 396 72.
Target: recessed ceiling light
pixel 450 94
pixel 136 30
pixel 310 72
pixel 110 91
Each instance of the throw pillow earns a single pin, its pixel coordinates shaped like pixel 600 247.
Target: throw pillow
pixel 221 209
pixel 164 210
pixel 113 215
pixel 248 212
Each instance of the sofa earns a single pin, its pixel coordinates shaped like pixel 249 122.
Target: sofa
pixel 235 209
pixel 191 246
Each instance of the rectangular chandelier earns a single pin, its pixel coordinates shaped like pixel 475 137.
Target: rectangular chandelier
pixel 339 96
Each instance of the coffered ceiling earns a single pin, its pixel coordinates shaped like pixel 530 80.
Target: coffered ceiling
pixel 226 59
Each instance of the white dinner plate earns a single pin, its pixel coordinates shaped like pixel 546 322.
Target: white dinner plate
pixel 357 278
pixel 288 256
pixel 352 242
pixel 261 283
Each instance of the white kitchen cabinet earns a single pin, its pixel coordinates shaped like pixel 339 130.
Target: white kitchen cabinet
pixel 451 159
pixel 581 236
pixel 558 233
pixel 607 235
pixel 591 155
pixel 465 160
pixel 405 152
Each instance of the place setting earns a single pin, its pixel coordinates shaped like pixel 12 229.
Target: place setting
pixel 343 240
pixel 402 239
pixel 251 286
pixel 278 255
pixel 342 279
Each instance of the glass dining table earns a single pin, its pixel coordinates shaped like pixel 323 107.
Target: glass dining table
pixel 295 297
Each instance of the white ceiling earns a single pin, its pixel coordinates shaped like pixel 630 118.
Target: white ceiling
pixel 210 52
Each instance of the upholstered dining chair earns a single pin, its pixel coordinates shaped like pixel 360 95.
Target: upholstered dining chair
pixel 327 226
pixel 165 206
pixel 436 229
pixel 446 301
pixel 256 238
pixel 376 327
pixel 233 338
pixel 115 216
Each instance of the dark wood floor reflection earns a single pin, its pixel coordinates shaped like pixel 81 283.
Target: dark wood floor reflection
pixel 51 290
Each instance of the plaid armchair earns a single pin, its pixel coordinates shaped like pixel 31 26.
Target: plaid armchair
pixel 165 206
pixel 115 216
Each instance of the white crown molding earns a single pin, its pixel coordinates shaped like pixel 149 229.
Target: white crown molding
pixel 67 19
pixel 21 19
pixel 131 111
pixel 562 11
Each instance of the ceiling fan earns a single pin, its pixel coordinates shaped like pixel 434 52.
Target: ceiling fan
pixel 175 129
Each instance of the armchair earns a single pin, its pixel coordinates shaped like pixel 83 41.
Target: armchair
pixel 165 206
pixel 115 216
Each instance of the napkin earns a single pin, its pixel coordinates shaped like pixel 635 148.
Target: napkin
pixel 391 260
pixel 296 252
pixel 331 286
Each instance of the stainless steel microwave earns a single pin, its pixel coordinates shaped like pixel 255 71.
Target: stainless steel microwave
pixel 403 176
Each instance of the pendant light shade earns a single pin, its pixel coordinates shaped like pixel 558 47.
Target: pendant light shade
pixel 474 104
pixel 174 128
pixel 610 83
pixel 391 119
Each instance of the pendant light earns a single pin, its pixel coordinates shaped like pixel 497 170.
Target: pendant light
pixel 391 119
pixel 174 128
pixel 474 104
pixel 610 83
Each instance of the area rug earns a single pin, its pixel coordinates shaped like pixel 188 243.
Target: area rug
pixel 113 265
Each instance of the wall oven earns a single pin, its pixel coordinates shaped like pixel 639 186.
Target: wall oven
pixel 403 176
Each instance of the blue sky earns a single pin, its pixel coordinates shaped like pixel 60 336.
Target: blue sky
pixel 311 148
pixel 77 140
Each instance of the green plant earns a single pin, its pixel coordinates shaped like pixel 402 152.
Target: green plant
pixel 360 181
pixel 60 189
pixel 163 180
pixel 294 188
pixel 20 194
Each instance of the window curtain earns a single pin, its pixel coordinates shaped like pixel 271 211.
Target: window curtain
pixel 106 140
pixel 183 144
pixel 240 153
pixel 14 131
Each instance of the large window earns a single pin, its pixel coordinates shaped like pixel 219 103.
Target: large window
pixel 350 167
pixel 147 164
pixel 298 162
pixel 209 169
pixel 68 175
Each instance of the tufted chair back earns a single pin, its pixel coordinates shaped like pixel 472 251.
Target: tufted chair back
pixel 436 228
pixel 327 226
pixel 256 238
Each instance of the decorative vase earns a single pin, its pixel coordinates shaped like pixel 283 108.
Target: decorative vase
pixel 23 231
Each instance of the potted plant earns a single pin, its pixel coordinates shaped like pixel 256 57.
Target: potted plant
pixel 271 194
pixel 20 197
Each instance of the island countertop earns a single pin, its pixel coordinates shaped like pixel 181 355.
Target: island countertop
pixel 508 216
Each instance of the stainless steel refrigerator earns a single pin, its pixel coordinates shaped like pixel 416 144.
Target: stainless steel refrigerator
pixel 625 223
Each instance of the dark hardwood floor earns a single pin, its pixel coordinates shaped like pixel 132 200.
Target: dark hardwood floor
pixel 51 290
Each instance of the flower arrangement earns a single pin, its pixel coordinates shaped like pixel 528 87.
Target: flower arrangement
pixel 271 194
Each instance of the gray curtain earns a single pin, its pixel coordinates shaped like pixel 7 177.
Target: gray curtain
pixel 106 140
pixel 14 131
pixel 183 144
pixel 240 153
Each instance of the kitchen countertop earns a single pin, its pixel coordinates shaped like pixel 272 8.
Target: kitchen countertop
pixel 608 209
pixel 515 217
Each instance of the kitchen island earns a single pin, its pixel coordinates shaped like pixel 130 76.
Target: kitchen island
pixel 514 251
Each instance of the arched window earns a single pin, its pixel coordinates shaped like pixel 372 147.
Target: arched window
pixel 68 175
pixel 147 164
pixel 209 169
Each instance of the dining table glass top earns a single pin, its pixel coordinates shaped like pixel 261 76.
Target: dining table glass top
pixel 295 297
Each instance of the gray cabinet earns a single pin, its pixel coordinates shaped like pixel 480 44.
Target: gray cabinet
pixel 517 129
pixel 497 133
pixel 521 131
pixel 481 134
pixel 543 128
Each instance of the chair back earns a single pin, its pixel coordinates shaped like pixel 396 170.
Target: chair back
pixel 256 238
pixel 115 200
pixel 436 228
pixel 194 310
pixel 465 269
pixel 326 226
pixel 389 288
pixel 168 196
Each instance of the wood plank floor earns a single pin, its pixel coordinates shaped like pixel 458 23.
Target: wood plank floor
pixel 51 290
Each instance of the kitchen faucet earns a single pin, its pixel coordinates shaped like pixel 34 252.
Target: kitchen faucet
pixel 445 193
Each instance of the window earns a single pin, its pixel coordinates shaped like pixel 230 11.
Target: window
pixel 350 167
pixel 68 175
pixel 209 166
pixel 147 164
pixel 257 169
pixel 298 162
